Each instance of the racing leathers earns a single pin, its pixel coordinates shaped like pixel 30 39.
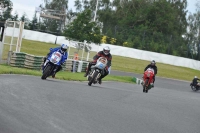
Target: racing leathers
pixel 63 59
pixel 95 58
pixel 195 82
pixel 154 67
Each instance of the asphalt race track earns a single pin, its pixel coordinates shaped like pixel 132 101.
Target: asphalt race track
pixel 31 105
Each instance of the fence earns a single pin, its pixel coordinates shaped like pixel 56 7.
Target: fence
pixel 24 60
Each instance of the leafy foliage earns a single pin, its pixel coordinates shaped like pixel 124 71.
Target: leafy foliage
pixel 148 25
pixel 5 9
pixel 154 25
pixel 82 28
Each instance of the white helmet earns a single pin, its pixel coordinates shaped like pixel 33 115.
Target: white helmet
pixel 106 50
pixel 64 47
pixel 195 77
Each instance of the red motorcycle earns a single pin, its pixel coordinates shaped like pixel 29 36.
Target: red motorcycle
pixel 148 79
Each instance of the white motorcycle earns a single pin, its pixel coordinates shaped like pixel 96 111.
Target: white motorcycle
pixel 96 71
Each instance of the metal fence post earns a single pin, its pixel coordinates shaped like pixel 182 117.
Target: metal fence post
pixel 2 28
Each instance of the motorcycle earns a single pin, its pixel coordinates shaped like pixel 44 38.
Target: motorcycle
pixel 148 79
pixel 51 64
pixel 195 88
pixel 96 71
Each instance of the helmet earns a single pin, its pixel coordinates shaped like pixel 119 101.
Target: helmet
pixel 153 62
pixel 106 50
pixel 195 77
pixel 64 47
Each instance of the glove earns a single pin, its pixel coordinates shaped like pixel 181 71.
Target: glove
pixel 106 68
pixel 94 61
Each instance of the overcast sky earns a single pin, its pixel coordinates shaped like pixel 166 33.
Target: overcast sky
pixel 28 6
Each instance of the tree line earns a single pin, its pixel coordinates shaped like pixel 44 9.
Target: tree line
pixel 163 26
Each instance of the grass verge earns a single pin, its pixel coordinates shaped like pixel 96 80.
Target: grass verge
pixel 63 75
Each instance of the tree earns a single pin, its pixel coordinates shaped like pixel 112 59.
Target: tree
pixel 78 6
pixel 6 7
pixel 55 8
pixel 25 19
pixel 56 4
pixel 194 31
pixel 148 25
pixel 86 4
pixel 15 17
pixel 82 28
pixel 33 25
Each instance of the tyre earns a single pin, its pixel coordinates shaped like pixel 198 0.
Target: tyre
pixel 93 78
pixel 46 72
pixel 193 88
pixel 145 86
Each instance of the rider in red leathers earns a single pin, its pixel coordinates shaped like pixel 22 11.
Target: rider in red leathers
pixel 154 67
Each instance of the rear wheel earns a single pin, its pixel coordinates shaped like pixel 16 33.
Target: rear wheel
pixel 93 78
pixel 46 72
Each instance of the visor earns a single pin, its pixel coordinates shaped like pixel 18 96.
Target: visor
pixel 106 51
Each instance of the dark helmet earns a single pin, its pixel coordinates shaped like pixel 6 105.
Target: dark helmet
pixel 64 47
pixel 153 62
pixel 106 50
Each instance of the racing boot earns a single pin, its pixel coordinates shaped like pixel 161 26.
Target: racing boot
pixel 152 85
pixel 88 69
pixel 54 74
pixel 55 71
pixel 100 80
pixel 86 74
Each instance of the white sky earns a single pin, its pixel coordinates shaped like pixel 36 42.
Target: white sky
pixel 28 6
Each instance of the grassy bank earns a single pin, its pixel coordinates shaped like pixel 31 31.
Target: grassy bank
pixel 118 63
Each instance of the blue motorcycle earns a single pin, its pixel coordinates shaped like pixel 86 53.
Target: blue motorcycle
pixel 51 64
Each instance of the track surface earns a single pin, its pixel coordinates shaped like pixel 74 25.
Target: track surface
pixel 31 105
pixel 160 82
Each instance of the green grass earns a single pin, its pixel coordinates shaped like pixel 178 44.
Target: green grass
pixel 40 49
pixel 164 70
pixel 118 63
pixel 64 75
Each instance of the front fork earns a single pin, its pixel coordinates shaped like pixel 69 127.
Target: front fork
pixel 98 76
pixel 44 65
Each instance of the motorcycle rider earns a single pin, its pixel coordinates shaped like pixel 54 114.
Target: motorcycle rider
pixel 63 51
pixel 195 82
pixel 104 53
pixel 154 67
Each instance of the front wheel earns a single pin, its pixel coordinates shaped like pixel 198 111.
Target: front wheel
pixel 47 71
pixel 92 79
pixel 193 88
pixel 145 86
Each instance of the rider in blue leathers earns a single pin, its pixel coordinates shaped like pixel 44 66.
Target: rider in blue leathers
pixel 63 51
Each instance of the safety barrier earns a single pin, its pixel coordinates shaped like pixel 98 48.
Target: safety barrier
pixel 137 80
pixel 78 66
pixel 25 60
